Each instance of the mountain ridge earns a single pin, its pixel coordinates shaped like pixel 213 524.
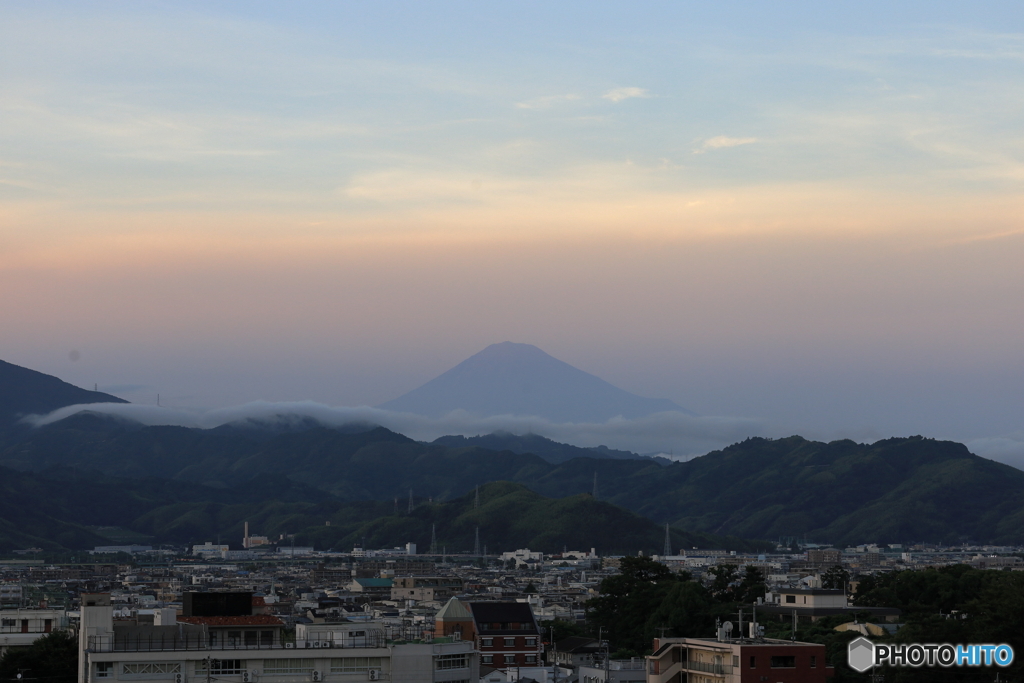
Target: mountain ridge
pixel 29 392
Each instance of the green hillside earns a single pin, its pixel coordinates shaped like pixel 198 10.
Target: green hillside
pixel 895 490
pixel 509 516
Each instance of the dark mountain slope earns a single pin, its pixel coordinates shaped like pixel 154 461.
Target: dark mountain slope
pixel 27 392
pixel 551 451
pixel 895 490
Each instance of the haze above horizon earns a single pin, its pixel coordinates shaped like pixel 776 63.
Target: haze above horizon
pixel 809 216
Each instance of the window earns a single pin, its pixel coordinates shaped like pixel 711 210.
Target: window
pixel 487 642
pixel 280 667
pixel 790 598
pixel 487 659
pixel 234 638
pixel 510 642
pixel 104 669
pixel 7 622
pixel 783 662
pixel 531 659
pixel 510 659
pixel 250 638
pixel 753 662
pixel 814 662
pixel 735 661
pixel 266 638
pixel 446 662
pixel 150 668
pixel 354 665
pixel 531 642
pixel 221 667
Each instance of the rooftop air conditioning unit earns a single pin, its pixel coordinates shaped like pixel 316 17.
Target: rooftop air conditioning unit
pixel 316 643
pixel 317 676
pixel 327 643
pixel 246 677
pixel 179 678
pixel 374 674
pixel 289 646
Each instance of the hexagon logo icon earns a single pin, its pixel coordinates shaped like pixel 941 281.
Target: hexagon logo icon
pixel 861 654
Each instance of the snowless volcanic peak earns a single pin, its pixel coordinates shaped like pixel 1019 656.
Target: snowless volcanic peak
pixel 520 379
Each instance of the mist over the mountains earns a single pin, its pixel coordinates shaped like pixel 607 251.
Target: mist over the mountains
pixel 672 433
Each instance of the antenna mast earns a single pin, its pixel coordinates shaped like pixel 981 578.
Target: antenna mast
pixel 668 542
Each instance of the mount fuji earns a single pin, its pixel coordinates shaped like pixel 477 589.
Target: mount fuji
pixel 520 379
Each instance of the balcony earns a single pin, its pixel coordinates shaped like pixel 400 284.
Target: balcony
pixel 708 667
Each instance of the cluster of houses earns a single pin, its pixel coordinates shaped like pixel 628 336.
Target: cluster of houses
pixel 411 618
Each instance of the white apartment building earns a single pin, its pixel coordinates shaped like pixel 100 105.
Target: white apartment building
pixel 22 627
pixel 250 649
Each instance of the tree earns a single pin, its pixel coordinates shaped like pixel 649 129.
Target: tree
pixel 753 585
pixel 52 658
pixel 628 600
pixel 721 585
pixel 530 588
pixel 835 577
pixel 685 612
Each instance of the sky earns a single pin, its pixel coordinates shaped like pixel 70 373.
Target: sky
pixel 786 217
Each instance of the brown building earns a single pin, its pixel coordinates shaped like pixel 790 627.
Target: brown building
pixel 824 557
pixel 505 633
pixel 739 660
pixel 425 587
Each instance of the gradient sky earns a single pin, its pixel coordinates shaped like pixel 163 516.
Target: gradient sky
pixel 806 214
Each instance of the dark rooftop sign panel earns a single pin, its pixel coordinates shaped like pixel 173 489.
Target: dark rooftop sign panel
pixel 217 605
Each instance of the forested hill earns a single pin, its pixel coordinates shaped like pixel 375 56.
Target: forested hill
pixel 507 515
pixel 896 490
pixel 27 392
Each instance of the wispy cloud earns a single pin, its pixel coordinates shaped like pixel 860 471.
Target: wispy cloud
pixel 547 101
pixel 669 432
pixel 722 141
pixel 619 94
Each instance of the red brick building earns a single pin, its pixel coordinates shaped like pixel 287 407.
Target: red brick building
pixel 505 633
pixel 738 660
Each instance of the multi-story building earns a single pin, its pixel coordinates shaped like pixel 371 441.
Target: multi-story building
pixel 811 604
pixel 505 633
pixel 616 671
pixel 240 648
pixel 22 627
pixel 824 557
pixel 425 588
pixel 740 660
